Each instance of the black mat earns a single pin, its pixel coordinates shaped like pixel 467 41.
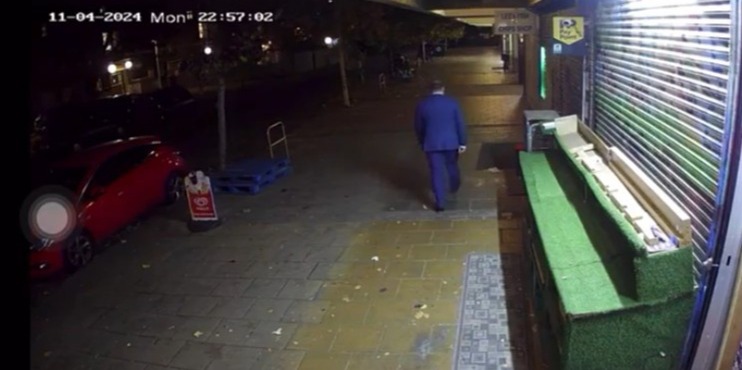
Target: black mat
pixel 500 155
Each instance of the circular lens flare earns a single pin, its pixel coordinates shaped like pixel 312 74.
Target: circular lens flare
pixel 49 216
pixel 52 218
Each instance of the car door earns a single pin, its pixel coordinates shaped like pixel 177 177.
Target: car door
pixel 117 192
pixel 136 184
pixel 146 177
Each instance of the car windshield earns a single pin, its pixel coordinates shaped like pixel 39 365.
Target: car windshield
pixel 68 177
pixel 111 108
pixel 172 95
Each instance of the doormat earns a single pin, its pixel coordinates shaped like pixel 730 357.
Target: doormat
pixel 492 334
pixel 504 156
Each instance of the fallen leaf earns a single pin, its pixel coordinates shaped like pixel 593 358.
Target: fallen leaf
pixel 145 266
pixel 198 334
pixel 346 299
pixel 357 287
pixel 419 315
pixel 375 258
pixel 278 331
pixel 128 344
pixel 382 290
pixel 425 206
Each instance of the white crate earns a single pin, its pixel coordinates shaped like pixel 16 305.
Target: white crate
pixel 608 181
pixel 644 227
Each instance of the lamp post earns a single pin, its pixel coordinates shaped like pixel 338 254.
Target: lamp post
pixel 220 112
pixel 157 64
pixel 330 42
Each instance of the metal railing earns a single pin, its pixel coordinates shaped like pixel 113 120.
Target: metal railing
pixel 281 139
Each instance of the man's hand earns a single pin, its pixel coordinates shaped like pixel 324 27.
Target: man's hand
pixel 462 148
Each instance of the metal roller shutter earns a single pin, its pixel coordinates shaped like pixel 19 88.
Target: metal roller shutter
pixel 660 73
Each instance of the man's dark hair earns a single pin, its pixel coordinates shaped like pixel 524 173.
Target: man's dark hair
pixel 436 85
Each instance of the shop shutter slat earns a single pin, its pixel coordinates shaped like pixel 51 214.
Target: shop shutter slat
pixel 660 94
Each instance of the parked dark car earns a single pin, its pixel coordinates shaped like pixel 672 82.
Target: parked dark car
pixel 181 112
pixel 73 127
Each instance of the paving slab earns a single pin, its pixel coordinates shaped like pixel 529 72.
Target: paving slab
pixel 341 265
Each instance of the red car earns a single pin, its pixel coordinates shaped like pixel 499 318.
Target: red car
pixel 114 183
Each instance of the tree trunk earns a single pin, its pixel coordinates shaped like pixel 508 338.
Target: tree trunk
pixel 343 76
pixel 341 53
pixel 222 119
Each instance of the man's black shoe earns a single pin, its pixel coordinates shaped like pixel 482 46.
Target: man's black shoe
pixel 439 209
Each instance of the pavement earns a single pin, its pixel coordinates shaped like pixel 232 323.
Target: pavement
pixel 328 268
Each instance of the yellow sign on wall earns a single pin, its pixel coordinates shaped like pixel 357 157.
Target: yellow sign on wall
pixel 569 30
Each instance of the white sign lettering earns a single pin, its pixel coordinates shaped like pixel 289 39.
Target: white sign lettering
pixel 520 21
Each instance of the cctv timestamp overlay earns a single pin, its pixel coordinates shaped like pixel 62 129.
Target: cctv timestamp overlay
pixel 161 17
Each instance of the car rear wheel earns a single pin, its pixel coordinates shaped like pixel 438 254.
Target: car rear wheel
pixel 173 188
pixel 79 252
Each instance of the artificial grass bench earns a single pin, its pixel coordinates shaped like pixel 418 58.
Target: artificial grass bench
pixel 610 303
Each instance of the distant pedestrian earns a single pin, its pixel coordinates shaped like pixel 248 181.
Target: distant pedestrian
pixel 382 83
pixel 441 133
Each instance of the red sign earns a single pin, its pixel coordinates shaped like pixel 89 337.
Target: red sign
pixel 200 197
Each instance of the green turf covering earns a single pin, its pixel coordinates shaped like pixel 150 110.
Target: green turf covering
pixel 631 339
pixel 610 304
pixel 584 251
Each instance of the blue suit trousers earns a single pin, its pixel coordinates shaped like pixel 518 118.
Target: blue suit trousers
pixel 440 163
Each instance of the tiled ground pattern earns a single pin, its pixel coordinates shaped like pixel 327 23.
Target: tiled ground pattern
pixel 492 320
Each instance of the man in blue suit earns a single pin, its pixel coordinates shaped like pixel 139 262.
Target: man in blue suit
pixel 441 133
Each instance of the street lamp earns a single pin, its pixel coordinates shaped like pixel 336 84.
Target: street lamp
pixel 207 50
pixel 331 42
pixel 112 68
pixel 128 64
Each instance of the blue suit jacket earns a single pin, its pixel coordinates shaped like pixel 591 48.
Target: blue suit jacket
pixel 439 124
